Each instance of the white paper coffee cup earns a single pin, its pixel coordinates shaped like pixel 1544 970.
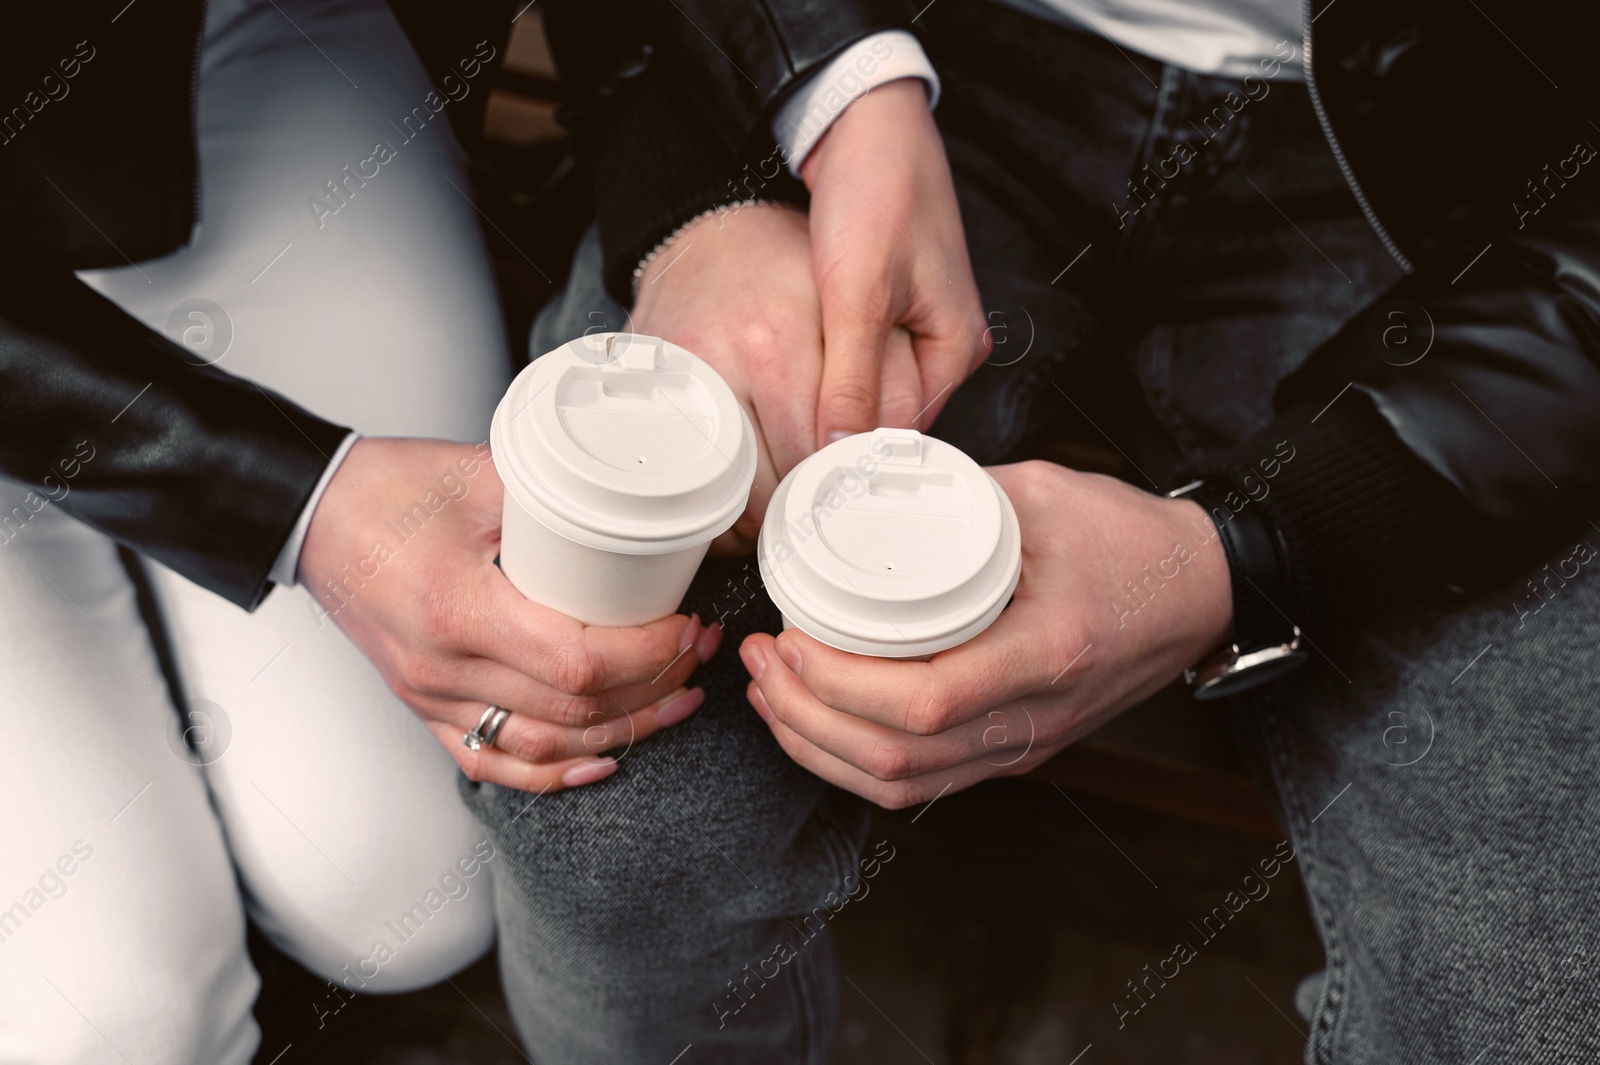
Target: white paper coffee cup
pixel 891 544
pixel 623 457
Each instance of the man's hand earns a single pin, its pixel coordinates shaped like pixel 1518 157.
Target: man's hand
pixel 736 289
pixel 889 250
pixel 1120 591
pixel 451 635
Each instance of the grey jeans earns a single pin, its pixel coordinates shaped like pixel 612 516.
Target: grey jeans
pixel 1444 803
pixel 1435 780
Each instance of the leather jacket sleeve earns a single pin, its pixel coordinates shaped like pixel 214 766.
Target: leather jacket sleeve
pixel 1468 459
pixel 1505 404
pixel 654 155
pixel 741 58
pixel 1462 457
pixel 116 425
pixel 670 102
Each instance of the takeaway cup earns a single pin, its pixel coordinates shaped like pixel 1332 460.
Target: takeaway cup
pixel 623 457
pixel 890 543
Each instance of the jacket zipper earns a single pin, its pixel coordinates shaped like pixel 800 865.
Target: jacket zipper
pixel 1338 152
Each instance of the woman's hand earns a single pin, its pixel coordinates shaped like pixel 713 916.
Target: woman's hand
pixel 451 635
pixel 890 259
pixel 1120 591
pixel 737 290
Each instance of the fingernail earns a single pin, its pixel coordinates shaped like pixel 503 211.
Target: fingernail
pixel 838 435
pixel 691 633
pixel 753 659
pixel 680 706
pixel 708 643
pixel 790 655
pixel 589 772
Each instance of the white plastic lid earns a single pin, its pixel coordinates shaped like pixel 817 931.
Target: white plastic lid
pixel 625 443
pixel 890 543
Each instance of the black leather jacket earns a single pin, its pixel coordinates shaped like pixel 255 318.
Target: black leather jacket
pixel 1474 161
pixel 198 469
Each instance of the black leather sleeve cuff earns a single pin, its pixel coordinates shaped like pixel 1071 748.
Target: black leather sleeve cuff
pixel 115 424
pixel 742 60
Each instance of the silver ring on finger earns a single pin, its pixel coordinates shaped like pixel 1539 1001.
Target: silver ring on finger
pixel 488 727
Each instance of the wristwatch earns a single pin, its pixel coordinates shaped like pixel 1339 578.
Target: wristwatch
pixel 1266 644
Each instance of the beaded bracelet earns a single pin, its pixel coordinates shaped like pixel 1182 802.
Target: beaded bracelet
pixel 733 208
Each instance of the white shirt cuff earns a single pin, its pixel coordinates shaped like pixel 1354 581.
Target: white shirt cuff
pixel 285 569
pixel 865 65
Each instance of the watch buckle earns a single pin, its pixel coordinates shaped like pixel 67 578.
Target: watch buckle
pixel 1230 670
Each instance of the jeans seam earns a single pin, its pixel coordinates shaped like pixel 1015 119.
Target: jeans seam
pixel 804 1008
pixel 1326 1022
pixel 836 845
pixel 834 838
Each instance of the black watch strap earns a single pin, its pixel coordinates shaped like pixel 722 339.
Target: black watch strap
pixel 1266 643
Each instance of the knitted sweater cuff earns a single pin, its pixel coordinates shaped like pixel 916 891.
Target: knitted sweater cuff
pixel 1364 524
pixel 657 165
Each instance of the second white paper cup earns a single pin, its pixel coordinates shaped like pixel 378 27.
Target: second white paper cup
pixel 891 544
pixel 623 457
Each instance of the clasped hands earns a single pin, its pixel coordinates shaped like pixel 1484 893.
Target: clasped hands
pixel 862 313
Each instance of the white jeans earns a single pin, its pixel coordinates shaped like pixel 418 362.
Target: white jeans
pixel 326 810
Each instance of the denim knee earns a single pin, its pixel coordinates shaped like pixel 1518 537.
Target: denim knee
pixel 708 823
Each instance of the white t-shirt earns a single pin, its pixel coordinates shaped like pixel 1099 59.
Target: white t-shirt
pixel 1224 37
